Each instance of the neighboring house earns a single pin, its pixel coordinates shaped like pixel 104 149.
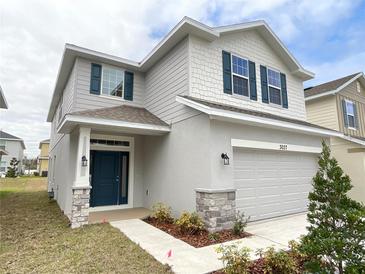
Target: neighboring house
pixel 13 147
pixel 43 158
pixel 212 119
pixel 3 103
pixel 340 105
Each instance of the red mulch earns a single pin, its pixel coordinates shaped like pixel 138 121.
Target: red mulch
pixel 199 239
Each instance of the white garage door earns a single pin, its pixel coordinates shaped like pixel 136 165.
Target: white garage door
pixel 272 183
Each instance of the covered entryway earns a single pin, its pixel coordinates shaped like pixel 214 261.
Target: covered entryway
pixel 109 178
pixel 272 183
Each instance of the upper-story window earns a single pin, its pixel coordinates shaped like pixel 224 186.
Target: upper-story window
pixel 3 144
pixel 350 114
pixel 274 82
pixel 240 75
pixel 112 82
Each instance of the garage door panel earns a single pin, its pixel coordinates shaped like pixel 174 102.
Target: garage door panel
pixel 272 183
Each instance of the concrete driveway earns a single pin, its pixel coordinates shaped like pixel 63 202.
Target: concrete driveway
pixel 188 259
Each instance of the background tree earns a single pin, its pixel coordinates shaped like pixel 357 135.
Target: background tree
pixel 337 223
pixel 13 168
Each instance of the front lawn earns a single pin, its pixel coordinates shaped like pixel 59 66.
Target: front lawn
pixel 35 237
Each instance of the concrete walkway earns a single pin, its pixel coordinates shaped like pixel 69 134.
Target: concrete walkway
pixel 188 259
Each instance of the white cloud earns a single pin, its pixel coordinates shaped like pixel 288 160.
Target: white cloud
pixel 33 34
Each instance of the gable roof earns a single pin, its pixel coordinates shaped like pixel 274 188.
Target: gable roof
pixel 332 87
pixel 3 103
pixel 182 29
pixel 254 117
pixel 6 136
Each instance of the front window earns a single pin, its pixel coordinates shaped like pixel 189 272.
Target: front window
pixel 350 113
pixel 274 86
pixel 240 76
pixel 2 144
pixel 2 166
pixel 112 82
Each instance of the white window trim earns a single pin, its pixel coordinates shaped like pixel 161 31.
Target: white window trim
pixel 347 114
pixel 241 76
pixel 101 83
pixel 269 85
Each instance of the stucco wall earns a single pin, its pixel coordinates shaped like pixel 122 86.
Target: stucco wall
pixel 15 150
pixel 206 76
pixel 353 165
pixel 177 163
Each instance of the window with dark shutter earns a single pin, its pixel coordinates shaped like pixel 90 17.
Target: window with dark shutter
pixel 227 80
pixel 264 86
pixel 95 79
pixel 128 85
pixel 252 76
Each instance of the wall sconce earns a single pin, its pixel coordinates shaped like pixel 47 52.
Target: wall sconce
pixel 225 158
pixel 84 161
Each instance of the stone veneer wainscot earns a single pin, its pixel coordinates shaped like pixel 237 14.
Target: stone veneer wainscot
pixel 216 207
pixel 80 207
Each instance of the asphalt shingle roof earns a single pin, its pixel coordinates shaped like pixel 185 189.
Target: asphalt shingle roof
pixel 6 135
pixel 253 112
pixel 123 113
pixel 328 86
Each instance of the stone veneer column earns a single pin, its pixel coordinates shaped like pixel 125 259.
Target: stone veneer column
pixel 80 206
pixel 81 186
pixel 217 208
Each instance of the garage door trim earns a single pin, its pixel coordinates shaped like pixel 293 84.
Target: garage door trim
pixel 274 146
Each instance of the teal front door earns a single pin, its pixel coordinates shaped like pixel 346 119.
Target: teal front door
pixel 109 178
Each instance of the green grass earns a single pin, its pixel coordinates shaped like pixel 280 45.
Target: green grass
pixel 35 237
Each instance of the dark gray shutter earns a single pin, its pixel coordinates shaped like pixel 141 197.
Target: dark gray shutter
pixel 346 122
pixel 128 85
pixel 227 76
pixel 356 117
pixel 264 87
pixel 95 79
pixel 252 72
pixel 284 93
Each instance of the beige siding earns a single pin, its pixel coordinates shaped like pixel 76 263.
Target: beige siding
pixel 207 77
pixel 323 112
pixel 85 101
pixel 350 92
pixel 164 81
pixel 353 164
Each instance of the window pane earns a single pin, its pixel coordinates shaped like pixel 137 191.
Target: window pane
pixel 275 96
pixel 350 108
pixel 112 82
pixel 239 66
pixel 351 121
pixel 240 85
pixel 274 78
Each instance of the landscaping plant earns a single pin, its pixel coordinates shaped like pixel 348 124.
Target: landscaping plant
pixel 13 168
pixel 236 260
pixel 240 223
pixel 336 235
pixel 162 213
pixel 190 223
pixel 278 262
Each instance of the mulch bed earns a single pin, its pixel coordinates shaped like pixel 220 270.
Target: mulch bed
pixel 199 239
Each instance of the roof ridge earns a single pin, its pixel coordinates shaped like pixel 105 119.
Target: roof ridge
pixel 337 79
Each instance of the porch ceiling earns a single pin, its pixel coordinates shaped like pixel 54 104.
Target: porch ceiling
pixel 120 119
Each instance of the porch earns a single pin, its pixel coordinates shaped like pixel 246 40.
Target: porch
pixel 118 215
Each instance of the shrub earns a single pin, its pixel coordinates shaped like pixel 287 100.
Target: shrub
pixel 279 262
pixel 213 237
pixel 240 223
pixel 336 232
pixel 190 223
pixel 162 213
pixel 236 260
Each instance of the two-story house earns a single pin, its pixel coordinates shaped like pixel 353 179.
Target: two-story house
pixel 212 119
pixel 10 147
pixel 340 105
pixel 43 158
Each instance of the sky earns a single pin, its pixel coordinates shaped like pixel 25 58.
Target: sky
pixel 325 36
